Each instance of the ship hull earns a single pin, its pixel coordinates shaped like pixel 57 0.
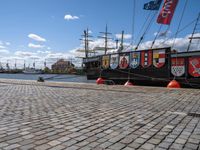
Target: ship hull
pixel 150 75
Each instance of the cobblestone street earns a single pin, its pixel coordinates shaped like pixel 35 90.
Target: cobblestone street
pixel 69 116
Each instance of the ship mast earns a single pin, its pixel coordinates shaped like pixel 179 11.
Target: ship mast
pixel 86 40
pixel 122 43
pixel 194 30
pixel 105 37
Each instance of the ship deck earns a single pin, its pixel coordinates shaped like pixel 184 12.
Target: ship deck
pixel 81 116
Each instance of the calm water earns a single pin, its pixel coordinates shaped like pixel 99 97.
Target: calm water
pixel 48 77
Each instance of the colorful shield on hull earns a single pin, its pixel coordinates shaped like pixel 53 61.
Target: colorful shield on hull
pixel 123 61
pixel 159 58
pixel 178 66
pixel 194 66
pixel 146 58
pixel 105 62
pixel 135 59
pixel 114 61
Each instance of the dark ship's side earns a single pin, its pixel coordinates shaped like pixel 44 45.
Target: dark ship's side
pixel 155 67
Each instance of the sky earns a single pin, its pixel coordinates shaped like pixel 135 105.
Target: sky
pixel 39 30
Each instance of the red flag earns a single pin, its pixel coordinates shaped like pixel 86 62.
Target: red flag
pixel 167 12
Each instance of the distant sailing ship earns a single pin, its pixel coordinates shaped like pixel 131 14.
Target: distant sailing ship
pixel 28 70
pixel 32 71
pixel 150 66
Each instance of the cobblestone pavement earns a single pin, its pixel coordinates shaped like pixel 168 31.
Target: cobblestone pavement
pixel 58 116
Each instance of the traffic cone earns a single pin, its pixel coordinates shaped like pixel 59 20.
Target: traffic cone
pixel 173 84
pixel 128 83
pixel 100 80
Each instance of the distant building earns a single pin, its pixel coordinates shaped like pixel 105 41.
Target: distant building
pixel 62 66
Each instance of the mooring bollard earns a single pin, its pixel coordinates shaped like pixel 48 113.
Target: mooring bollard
pixel 40 79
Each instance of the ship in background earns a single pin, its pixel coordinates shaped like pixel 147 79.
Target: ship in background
pixel 155 66
pixel 32 70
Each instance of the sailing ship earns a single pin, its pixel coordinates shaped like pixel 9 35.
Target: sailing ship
pixel 31 70
pixel 155 66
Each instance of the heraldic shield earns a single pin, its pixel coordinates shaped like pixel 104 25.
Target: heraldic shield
pixel 159 58
pixel 178 66
pixel 105 62
pixel 134 59
pixel 114 61
pixel 123 61
pixel 194 66
pixel 146 58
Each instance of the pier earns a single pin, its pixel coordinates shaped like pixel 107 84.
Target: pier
pixel 73 116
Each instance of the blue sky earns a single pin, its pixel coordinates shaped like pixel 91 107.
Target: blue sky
pixel 46 29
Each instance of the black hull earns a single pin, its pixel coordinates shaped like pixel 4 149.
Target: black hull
pixel 145 76
pixel 121 78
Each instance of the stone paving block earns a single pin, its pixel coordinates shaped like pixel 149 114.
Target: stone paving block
pixel 54 143
pixel 148 146
pixel 12 146
pixel 26 147
pixel 42 147
pixel 191 146
pixel 117 146
pixel 3 144
pixel 72 148
pixel 58 147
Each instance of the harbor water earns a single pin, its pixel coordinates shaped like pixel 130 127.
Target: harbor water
pixel 48 77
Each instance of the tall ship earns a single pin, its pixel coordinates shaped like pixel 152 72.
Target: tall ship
pixel 31 70
pixel 152 66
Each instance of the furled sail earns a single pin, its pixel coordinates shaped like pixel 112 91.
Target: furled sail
pixel 167 12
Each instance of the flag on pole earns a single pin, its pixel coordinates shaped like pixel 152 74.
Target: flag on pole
pixel 167 12
pixel 152 5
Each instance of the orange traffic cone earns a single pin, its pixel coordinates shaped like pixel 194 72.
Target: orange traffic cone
pixel 100 80
pixel 128 83
pixel 173 84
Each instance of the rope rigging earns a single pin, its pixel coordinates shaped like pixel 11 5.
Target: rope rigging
pixel 186 26
pixel 182 14
pixel 146 30
pixel 133 22
pixel 156 36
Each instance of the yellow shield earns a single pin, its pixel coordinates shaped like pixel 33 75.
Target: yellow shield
pixel 105 61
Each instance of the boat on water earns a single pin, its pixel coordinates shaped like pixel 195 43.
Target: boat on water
pixel 152 66
pixel 32 71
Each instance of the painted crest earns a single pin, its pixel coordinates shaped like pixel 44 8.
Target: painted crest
pixel 194 66
pixel 178 66
pixel 105 62
pixel 114 61
pixel 146 58
pixel 135 59
pixel 159 58
pixel 123 61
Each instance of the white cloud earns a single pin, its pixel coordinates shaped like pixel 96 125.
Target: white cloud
pixel 2 47
pixel 36 37
pixel 4 51
pixel 126 36
pixel 180 44
pixel 31 45
pixel 70 17
pixel 24 54
pixel 43 52
pixel 7 43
